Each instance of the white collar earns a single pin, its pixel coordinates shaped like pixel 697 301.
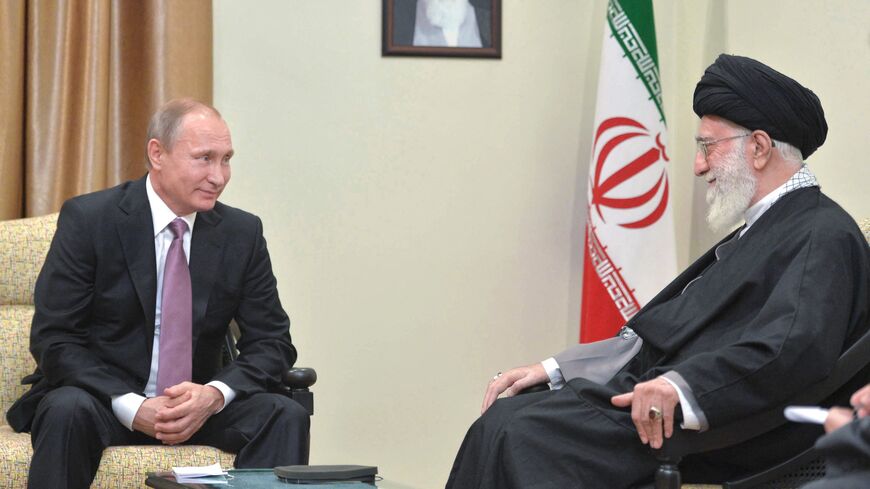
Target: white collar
pixel 801 179
pixel 757 209
pixel 161 214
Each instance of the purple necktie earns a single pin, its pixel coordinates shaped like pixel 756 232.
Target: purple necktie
pixel 176 317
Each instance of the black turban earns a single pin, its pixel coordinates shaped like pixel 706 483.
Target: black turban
pixel 756 96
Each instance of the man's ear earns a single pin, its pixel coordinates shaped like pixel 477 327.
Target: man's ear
pixel 763 149
pixel 155 153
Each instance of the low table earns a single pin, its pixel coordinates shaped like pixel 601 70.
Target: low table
pixel 253 479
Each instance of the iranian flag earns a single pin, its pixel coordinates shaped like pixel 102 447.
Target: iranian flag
pixel 629 254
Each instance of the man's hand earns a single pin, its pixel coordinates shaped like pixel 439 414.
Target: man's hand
pixel 861 401
pixel 147 415
pixel 512 382
pixel 837 417
pixel 187 408
pixel 658 393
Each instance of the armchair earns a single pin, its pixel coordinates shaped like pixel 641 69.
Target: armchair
pixel 23 247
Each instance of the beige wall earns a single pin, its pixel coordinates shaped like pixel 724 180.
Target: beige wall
pixel 425 215
pixel 825 45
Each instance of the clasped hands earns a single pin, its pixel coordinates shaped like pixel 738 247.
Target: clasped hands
pixel 657 393
pixel 179 413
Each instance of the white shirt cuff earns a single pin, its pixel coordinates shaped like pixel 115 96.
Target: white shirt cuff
pixel 551 366
pixel 690 419
pixel 228 393
pixel 125 408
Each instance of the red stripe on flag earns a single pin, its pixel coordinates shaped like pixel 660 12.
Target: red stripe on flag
pixel 608 302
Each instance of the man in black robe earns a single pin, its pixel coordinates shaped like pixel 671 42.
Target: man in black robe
pixel 755 320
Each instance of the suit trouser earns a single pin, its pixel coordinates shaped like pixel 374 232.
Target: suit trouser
pixel 71 428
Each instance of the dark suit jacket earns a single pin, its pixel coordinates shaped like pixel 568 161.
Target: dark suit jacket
pixel 95 297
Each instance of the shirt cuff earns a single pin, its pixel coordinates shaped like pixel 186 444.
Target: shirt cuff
pixel 229 394
pixel 125 408
pixel 551 366
pixel 693 416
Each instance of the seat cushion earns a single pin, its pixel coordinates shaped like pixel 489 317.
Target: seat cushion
pixel 120 467
pixel 15 454
pixel 128 466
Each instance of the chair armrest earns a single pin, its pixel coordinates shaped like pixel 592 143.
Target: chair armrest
pixel 296 382
pixel 299 378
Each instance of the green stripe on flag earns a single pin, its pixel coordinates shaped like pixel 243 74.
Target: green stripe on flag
pixel 632 25
pixel 641 14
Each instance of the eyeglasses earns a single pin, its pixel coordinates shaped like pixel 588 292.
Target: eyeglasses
pixel 703 145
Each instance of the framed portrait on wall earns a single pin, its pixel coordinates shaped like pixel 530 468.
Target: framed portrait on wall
pixel 464 28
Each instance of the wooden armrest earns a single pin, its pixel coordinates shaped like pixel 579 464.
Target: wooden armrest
pixel 296 382
pixel 299 378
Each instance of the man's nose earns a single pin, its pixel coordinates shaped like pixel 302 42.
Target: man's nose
pixel 701 167
pixel 216 175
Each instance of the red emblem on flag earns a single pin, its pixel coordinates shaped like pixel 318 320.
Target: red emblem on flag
pixel 605 192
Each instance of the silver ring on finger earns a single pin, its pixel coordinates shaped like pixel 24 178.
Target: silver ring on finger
pixel 655 414
pixel 496 376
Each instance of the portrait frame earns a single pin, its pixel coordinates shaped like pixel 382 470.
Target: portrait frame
pixel 398 25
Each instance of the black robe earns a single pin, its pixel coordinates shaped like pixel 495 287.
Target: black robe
pixel 768 319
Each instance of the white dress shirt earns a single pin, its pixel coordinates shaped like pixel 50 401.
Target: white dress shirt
pixel 126 406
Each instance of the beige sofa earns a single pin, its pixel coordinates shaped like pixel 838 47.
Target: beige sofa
pixel 23 246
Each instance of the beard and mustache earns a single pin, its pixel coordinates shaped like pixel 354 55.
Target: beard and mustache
pixel 447 14
pixel 730 195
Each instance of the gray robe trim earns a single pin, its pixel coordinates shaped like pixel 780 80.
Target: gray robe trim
pixel 598 361
pixel 678 379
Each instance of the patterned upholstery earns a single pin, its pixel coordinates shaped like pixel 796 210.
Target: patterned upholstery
pixel 23 246
pixel 15 358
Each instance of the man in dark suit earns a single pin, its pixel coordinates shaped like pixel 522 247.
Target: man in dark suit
pixel 132 305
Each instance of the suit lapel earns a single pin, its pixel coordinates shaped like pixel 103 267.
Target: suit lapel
pixel 136 232
pixel 205 255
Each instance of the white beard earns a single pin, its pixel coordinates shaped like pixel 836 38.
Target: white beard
pixel 446 14
pixel 730 195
